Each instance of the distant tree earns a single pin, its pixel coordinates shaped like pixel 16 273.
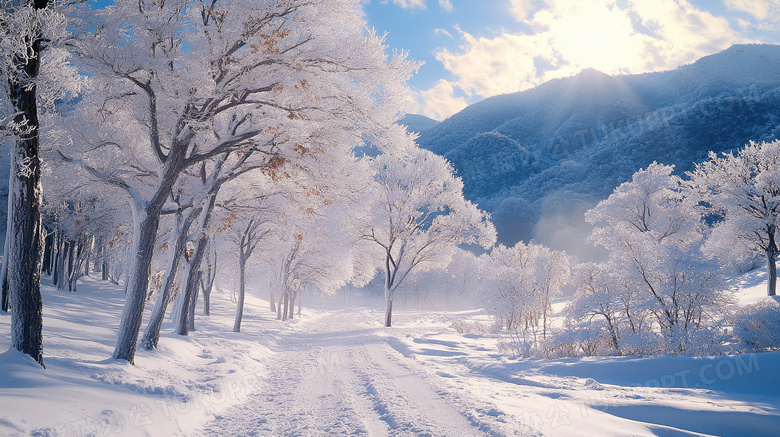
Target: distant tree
pixel 523 281
pixel 601 294
pixel 246 238
pixel 418 214
pixel 743 190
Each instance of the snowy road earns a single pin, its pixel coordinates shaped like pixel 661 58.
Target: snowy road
pixel 341 373
pixel 341 381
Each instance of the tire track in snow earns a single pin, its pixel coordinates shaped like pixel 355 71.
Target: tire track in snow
pixel 404 400
pixel 339 381
pixel 302 396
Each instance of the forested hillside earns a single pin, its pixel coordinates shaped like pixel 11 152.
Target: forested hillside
pixel 537 159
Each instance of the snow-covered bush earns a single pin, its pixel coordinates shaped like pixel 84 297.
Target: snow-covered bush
pixel 521 283
pixel 474 327
pixel 643 343
pixel 578 340
pixel 700 341
pixel 757 327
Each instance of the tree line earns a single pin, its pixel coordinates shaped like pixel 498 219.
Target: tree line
pixel 181 132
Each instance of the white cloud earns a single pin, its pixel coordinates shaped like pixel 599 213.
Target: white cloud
pixel 489 66
pixel 438 102
pixel 521 8
pixel 760 9
pixel 442 32
pixel 682 33
pixel 613 36
pixel 446 5
pixel 410 4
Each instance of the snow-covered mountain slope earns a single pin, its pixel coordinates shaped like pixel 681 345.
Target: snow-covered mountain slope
pixel 588 133
pixel 417 123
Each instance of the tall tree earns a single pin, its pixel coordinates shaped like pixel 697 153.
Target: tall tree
pixel 22 40
pixel 743 189
pixel 418 214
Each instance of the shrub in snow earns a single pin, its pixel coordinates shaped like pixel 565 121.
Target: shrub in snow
pixel 522 282
pixel 572 340
pixel 466 327
pixel 697 341
pixel 643 343
pixel 756 327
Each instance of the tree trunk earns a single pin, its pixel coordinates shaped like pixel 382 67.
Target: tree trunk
pixel 26 230
pixel 291 312
pixel 389 290
pixel 87 255
pixel 193 304
pixel 241 291
pixel 4 272
pixel 78 261
pixel 145 236
pixel 389 313
pixel 152 333
pixel 55 275
pixel 62 263
pixel 771 253
pixel 48 252
pixel 208 285
pixel 771 288
pixel 183 322
pixel 271 295
pixel 71 251
pixel 286 304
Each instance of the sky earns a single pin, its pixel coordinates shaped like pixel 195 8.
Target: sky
pixel 473 49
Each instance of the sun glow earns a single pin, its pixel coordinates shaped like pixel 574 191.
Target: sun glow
pixel 596 36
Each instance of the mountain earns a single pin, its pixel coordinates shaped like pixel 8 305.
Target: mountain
pixel 417 123
pixel 537 159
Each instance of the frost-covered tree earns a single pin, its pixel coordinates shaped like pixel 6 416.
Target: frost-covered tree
pixel 458 284
pixel 418 214
pixel 743 189
pixel 181 82
pixel 653 236
pixel 246 238
pixel 523 280
pixel 27 27
pixel 602 294
pixel 245 215
pixel 312 248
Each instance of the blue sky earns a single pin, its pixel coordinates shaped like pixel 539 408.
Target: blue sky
pixel 474 49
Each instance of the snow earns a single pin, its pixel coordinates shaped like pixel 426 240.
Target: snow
pixel 338 371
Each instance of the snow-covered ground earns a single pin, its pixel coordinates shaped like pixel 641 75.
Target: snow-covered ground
pixel 337 371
